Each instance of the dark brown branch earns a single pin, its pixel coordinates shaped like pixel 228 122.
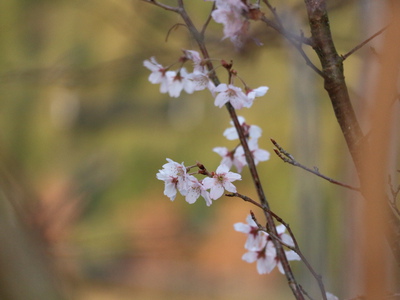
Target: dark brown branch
pixel 288 158
pixel 334 82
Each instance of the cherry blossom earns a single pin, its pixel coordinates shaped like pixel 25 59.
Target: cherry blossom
pixel 258 92
pixel 232 94
pixel 250 131
pixel 256 239
pixel 330 296
pixel 221 180
pixel 195 57
pixel 159 74
pixel 271 251
pixel 257 153
pixel 175 178
pixel 200 81
pixel 230 14
pixel 180 82
pixel 195 190
pixel 261 249
pixel 227 156
pixel 264 259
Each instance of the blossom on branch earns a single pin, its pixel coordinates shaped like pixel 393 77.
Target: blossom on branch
pixel 250 131
pixel 195 57
pixel 221 180
pixel 232 94
pixel 255 237
pixel 230 13
pixel 159 74
pixel 200 81
pixel 195 190
pixel 258 92
pixel 229 158
pixel 175 178
pixel 180 82
pixel 261 248
pixel 257 153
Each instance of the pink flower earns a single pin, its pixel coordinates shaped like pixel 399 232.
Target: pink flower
pixel 195 57
pixel 230 14
pixel 171 82
pixel 159 74
pixel 200 81
pixel 230 93
pixel 229 158
pixel 250 131
pixel 253 93
pixel 261 248
pixel 330 296
pixel 180 82
pixel 175 178
pixel 195 190
pixel 264 259
pixel 290 255
pixel 258 92
pixel 258 154
pixel 256 239
pixel 221 180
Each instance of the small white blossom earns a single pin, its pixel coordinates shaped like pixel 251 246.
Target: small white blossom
pixel 330 296
pixel 201 81
pixel 195 57
pixel 159 74
pixel 232 94
pixel 222 180
pixel 261 248
pixel 230 14
pixel 180 82
pixel 256 239
pixel 195 190
pixel 175 178
pixel 250 131
pixel 258 92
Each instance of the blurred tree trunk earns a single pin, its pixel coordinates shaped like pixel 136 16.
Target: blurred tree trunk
pixel 25 271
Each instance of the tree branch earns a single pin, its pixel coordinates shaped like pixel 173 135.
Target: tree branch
pixel 288 158
pixel 356 48
pixel 334 82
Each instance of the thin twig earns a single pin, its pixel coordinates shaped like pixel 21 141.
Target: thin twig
pixel 281 29
pixel 288 158
pixel 203 30
pixel 164 6
pixel 296 41
pixel 175 26
pixel 363 43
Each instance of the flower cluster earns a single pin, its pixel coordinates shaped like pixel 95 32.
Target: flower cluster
pixel 234 15
pixel 177 178
pixel 261 248
pixel 174 82
pixel 236 156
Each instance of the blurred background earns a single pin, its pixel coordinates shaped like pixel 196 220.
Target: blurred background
pixel 83 134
